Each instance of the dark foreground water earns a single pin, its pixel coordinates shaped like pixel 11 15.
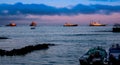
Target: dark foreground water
pixel 72 42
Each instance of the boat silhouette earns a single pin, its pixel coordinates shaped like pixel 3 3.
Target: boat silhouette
pixel 116 28
pixel 114 55
pixel 70 24
pixel 33 24
pixel 96 24
pixel 94 56
pixel 11 24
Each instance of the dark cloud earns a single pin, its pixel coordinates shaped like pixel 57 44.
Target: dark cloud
pixel 19 11
pixel 41 9
pixel 6 19
pixel 107 0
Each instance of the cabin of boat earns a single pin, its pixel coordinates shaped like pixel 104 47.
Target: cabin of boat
pixel 70 24
pixel 33 24
pixel 114 55
pixel 95 56
pixel 11 24
pixel 116 28
pixel 96 24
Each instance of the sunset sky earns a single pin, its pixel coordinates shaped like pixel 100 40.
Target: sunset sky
pixel 52 12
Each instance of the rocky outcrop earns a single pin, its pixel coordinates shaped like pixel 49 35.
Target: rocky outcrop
pixel 25 50
pixel 4 38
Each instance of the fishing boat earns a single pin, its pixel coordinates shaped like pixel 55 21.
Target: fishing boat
pixel 116 28
pixel 11 24
pixel 33 24
pixel 96 24
pixel 114 55
pixel 70 24
pixel 94 56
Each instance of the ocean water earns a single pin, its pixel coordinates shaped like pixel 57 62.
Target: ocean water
pixel 71 43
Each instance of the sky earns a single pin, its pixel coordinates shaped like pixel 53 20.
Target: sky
pixel 54 12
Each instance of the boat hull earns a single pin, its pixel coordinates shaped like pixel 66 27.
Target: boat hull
pixel 114 55
pixel 82 62
pixel 97 25
pixel 70 25
pixel 95 56
pixel 116 30
pixel 11 24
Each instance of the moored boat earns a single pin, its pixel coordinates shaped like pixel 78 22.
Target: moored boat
pixel 33 24
pixel 96 24
pixel 114 55
pixel 116 28
pixel 11 24
pixel 95 56
pixel 70 24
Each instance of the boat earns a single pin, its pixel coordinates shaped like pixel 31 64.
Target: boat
pixel 116 28
pixel 114 55
pixel 32 28
pixel 33 24
pixel 96 24
pixel 70 24
pixel 94 56
pixel 11 24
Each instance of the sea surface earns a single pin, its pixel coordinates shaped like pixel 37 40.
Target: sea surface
pixel 71 43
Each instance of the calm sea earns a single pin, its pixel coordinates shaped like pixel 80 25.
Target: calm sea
pixel 72 42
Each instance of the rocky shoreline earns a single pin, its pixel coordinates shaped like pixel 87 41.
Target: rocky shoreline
pixel 24 50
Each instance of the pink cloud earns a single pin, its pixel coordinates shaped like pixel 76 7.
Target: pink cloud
pixel 81 19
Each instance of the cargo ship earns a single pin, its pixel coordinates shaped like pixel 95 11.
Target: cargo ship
pixel 96 24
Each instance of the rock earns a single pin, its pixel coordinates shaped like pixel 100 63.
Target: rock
pixel 24 50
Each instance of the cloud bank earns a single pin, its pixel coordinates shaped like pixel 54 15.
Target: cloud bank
pixel 44 14
pixel 41 9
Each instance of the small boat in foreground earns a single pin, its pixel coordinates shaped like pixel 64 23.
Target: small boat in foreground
pixel 116 28
pixel 96 24
pixel 114 55
pixel 95 56
pixel 69 24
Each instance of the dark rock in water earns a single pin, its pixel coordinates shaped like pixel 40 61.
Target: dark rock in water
pixel 4 38
pixel 50 44
pixel 25 50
